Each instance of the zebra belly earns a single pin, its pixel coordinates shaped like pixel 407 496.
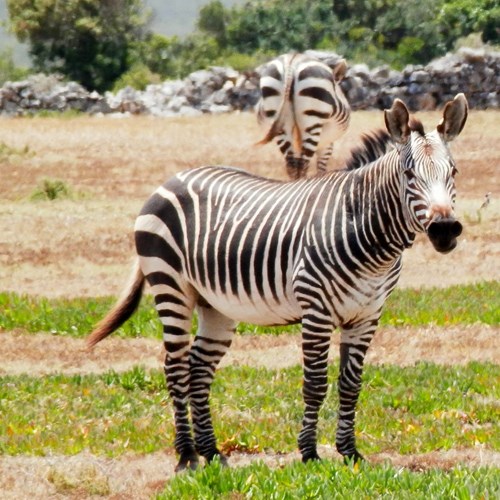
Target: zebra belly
pixel 256 310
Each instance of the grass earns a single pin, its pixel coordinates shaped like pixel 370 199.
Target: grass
pixel 462 304
pixel 331 480
pixel 51 189
pixel 408 411
pixel 9 154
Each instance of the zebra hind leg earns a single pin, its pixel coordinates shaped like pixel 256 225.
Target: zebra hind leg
pixel 353 347
pixel 213 339
pixel 296 168
pixel 315 347
pixel 175 309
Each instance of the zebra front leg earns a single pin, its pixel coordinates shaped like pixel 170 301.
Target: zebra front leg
pixel 315 347
pixel 353 346
pixel 213 339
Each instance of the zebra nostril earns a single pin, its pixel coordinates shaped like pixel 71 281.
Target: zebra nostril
pixel 443 233
pixel 434 230
pixel 456 229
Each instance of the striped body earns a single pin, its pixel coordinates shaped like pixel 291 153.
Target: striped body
pixel 305 109
pixel 246 252
pixel 323 251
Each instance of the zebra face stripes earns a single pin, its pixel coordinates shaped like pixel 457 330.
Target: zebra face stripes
pixel 429 181
pixel 305 108
pixel 324 251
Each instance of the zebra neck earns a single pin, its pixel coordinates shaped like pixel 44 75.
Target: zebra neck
pixel 374 202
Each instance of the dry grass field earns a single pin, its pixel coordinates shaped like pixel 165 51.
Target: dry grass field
pixel 82 245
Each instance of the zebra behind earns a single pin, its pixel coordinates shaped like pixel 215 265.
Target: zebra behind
pixel 324 251
pixel 305 108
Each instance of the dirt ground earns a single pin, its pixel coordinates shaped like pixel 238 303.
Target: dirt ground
pixel 82 246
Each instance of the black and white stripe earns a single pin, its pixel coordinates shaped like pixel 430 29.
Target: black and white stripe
pixel 305 109
pixel 324 251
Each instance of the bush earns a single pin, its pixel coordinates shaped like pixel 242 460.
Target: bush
pixel 8 70
pixel 139 76
pixel 51 189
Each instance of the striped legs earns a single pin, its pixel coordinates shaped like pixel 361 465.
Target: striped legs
pixel 315 346
pixel 353 346
pixel 296 168
pixel 316 333
pixel 175 311
pixel 190 372
pixel 213 339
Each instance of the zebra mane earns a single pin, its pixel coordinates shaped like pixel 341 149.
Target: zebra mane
pixel 374 145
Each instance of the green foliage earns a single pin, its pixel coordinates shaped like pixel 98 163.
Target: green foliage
pixel 332 480
pixel 409 410
pixel 8 70
pixel 67 114
pixel 87 41
pixel 459 18
pixel 277 26
pixel 51 189
pixel 74 317
pixel 139 76
pixel 9 154
pixel 243 62
pixel 460 304
pixel 212 21
pixel 175 58
pixel 95 42
pixel 463 304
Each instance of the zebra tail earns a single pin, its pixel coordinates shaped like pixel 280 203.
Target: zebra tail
pixel 277 126
pixel 122 310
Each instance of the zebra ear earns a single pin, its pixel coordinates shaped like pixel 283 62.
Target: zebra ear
pixel 397 121
pixel 454 117
pixel 339 71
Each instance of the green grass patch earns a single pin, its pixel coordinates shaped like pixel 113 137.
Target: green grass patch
pixel 331 480
pixel 464 304
pixel 411 410
pixel 50 190
pixel 9 154
pixel 460 304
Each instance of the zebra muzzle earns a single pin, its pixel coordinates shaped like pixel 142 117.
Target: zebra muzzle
pixel 443 233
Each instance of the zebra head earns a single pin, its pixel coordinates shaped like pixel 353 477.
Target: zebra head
pixel 428 183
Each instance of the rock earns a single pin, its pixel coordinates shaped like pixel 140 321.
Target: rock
pixel 476 72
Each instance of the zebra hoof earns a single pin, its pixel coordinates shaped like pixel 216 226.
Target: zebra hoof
pixel 353 458
pixel 310 457
pixel 217 456
pixel 187 461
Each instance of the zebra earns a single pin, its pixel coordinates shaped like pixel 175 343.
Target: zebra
pixel 323 251
pixel 303 102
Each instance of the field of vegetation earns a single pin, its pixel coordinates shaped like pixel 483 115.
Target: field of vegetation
pixel 81 425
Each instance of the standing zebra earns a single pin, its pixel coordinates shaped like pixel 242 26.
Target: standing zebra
pixel 306 108
pixel 324 251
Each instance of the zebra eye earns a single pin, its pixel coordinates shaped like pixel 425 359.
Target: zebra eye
pixel 410 174
pixel 454 170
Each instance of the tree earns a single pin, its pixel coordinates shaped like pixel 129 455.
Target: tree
pixel 86 40
pixel 459 18
pixel 212 21
pixel 276 26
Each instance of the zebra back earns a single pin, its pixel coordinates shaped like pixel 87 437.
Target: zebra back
pixel 306 108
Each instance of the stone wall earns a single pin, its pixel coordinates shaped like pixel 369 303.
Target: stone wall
pixel 221 90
